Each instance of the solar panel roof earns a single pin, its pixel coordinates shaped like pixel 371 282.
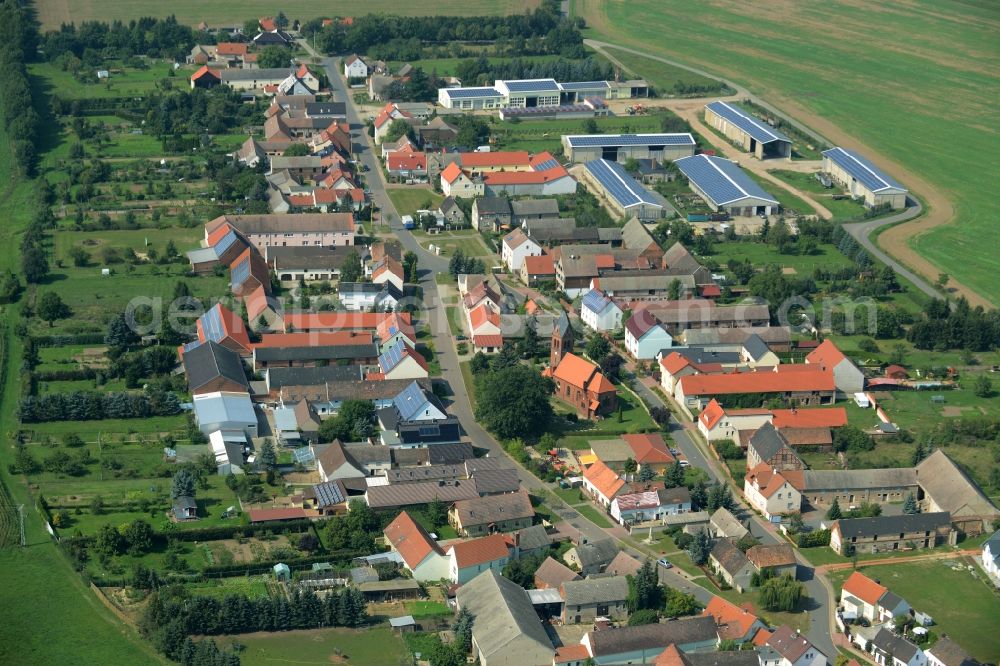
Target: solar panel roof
pixel 721 180
pixel 391 357
pixel 618 184
pixel 409 401
pixel 585 85
pixel 755 128
pixel 861 169
pixel 546 165
pixel 532 85
pixel 211 324
pixel 225 242
pixel 466 93
pixel 595 301
pixel 241 272
pixel 602 140
pixel 328 494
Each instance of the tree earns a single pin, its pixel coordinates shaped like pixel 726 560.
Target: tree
pixel 51 307
pixel 700 547
pixel 529 343
pixel 719 496
pixel 138 537
pixel 834 513
pixel 281 21
pixel 397 129
pixel 644 616
pixel 942 280
pixel 514 402
pixel 182 484
pixel 630 467
pixel 437 513
pixel 79 256
pixel 645 591
pixel 109 541
pixel 410 267
pixel 10 287
pixel 646 473
pixel 590 126
pixel 674 476
pixel 463 629
pixel 268 457
pixel 910 505
pixel 34 264
pixel 983 387
pixel 250 28
pixel 919 453
pixel 351 271
pixel 597 347
pixel 674 290
pixel 679 604
pixel 781 594
pixel 354 421
pixel 296 149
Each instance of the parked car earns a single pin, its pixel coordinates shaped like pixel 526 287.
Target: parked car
pixel 664 563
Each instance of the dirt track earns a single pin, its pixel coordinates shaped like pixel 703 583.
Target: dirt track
pixel 938 208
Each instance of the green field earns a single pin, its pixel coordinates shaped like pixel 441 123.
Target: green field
pixel 469 242
pixel 762 254
pixel 359 647
pixel 594 515
pixel 927 118
pixel 408 200
pixel 961 603
pixel 665 78
pixel 225 14
pixel 447 66
pixel 842 209
pixel 126 83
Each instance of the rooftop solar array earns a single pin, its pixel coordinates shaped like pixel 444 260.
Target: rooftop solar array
pixel 862 170
pixel 409 401
pixel 585 85
pixel 721 180
pixel 241 272
pixel 546 165
pixel 328 494
pixel 618 184
pixel 225 243
pixel 467 93
pixel 211 324
pixel 391 357
pixel 192 345
pixel 595 301
pixel 530 85
pixel 603 140
pixel 755 128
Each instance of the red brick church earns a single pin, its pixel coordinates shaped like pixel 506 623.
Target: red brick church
pixel 579 382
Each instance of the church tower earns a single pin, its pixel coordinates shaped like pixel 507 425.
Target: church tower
pixel 562 340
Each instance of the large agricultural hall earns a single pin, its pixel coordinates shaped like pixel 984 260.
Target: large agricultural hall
pixel 748 132
pixel 862 179
pixel 621 147
pixel 725 187
pixel 623 194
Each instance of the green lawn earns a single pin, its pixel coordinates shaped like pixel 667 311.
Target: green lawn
pixel 360 647
pixel 964 605
pixel 842 209
pixel 408 200
pixel 538 135
pixel 469 241
pixel 470 382
pixel 127 83
pixel 949 60
pixel 253 587
pixel 95 242
pixel 762 254
pixel 594 515
pixel 422 609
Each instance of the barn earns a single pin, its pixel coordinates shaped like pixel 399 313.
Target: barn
pixel 863 179
pixel 753 135
pixel 621 147
pixel 624 195
pixel 470 98
pixel 725 187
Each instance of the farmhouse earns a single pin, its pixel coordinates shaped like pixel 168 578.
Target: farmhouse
pixel 624 195
pixel 507 631
pixel 622 147
pixel 538 269
pixel 801 387
pixel 725 187
pixel 313 229
pixel 645 337
pixel 889 533
pixel 551 574
pixel 496 513
pixel 222 326
pixel 421 555
pixel 776 558
pixel 864 597
pixel 490 213
pixel 210 367
pixel 747 132
pixel 862 179
pixel 585 600
pixel 650 505
pixel 731 565
pixel 515 247
pixel 637 645
pixel 591 557
pixel 847 377
pixel 602 483
pixel 772 492
pixel 471 558
pixel 600 313
pixel 945 487
pixel 794 649
pixel 734 623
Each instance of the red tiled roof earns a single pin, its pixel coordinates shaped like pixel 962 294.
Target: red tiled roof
pixel 712 413
pixel 256 302
pixel 604 479
pixel 268 24
pixel 231 48
pixel 482 314
pixel 263 515
pixel 334 320
pixel 757 382
pixel 761 638
pixel 395 324
pixel 674 362
pixel 734 622
pixel 408 538
pixel 204 71
pixel 301 200
pixel 769 480
pixel 827 355
pixel 515 158
pixel 864 588
pixel 575 371
pixel 710 291
pixel 400 161
pixel 540 265
pixel 649 448
pixel 771 555
pixel 484 341
pixel 831 417
pixel 604 261
pixel 531 307
pixel 293 340
pixel 571 653
pixel 232 326
pixel 524 177
pixel 451 173
pixel 480 551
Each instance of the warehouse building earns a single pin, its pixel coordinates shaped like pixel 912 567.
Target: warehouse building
pixel 863 179
pixel 535 93
pixel 624 195
pixel 753 135
pixel 724 186
pixel 621 147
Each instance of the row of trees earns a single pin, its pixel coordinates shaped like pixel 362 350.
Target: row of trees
pixel 961 327
pixel 20 119
pixel 90 405
pixel 171 616
pixel 145 36
pixel 483 71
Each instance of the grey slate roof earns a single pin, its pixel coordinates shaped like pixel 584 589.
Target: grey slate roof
pixel 597 553
pixel 755 347
pixel 532 538
pixel 698 355
pixel 209 361
pixel 651 636
pixel 554 573
pixel 767 441
pixel 535 207
pixel 951 489
pixel 279 377
pixel 406 494
pixel 858 478
pixel 729 557
pixel 595 590
pixel 505 620
pixel 917 522
pixel 563 327
pixel 490 481
pixel 950 653
pixel 267 354
pixel 493 206
pixel 899 647
pixel 724 658
pixel 485 510
pixel 636 236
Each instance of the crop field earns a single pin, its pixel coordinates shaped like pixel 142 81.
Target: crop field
pixel 221 13
pixel 360 647
pixel 666 79
pixel 925 118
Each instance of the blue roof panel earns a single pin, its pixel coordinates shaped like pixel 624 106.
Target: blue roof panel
pixel 225 243
pixel 721 180
pixel 409 401
pixel 391 357
pixel 595 301
pixel 211 324
pixel 625 189
pixel 755 128
pixel 469 93
pixel 240 272
pixel 585 85
pixel 608 140
pixel 862 170
pixel 532 85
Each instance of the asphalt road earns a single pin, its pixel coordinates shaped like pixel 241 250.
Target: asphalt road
pixel 434 313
